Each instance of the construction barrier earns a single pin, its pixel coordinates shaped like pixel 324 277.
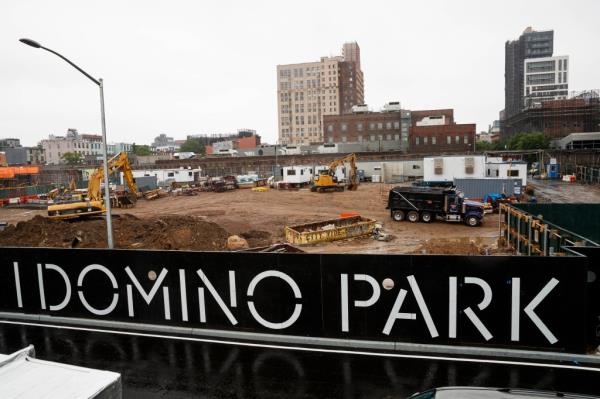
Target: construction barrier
pixel 496 301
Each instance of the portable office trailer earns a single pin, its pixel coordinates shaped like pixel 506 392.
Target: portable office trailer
pixel 495 168
pixel 452 167
pixel 297 174
pixel 164 177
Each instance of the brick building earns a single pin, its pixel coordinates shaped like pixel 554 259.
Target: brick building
pixel 359 127
pixel 245 138
pixel 434 131
pixel 427 131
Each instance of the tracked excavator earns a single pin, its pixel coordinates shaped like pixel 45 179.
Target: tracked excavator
pixel 94 203
pixel 326 181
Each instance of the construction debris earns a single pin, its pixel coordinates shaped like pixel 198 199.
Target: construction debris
pixel 235 243
pixel 329 230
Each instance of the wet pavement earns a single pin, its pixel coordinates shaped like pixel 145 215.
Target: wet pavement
pixel 560 192
pixel 157 367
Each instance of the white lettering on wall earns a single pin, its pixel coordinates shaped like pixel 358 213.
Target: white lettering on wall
pixel 150 295
pixel 216 296
pixel 113 280
pixel 357 303
pixel 396 314
pixel 18 284
pixel 297 294
pixel 529 310
pixel 67 297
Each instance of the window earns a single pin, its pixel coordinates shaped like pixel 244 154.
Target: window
pixel 388 137
pixel 359 127
pixel 457 139
pixel 466 139
pixel 371 126
pixel 170 174
pixel 396 125
pixel 360 138
pixel 291 172
pixel 380 125
pixel 388 125
pixel 372 137
pixel 344 127
pixel 469 165
pixel 449 139
pixel 425 140
pixel 396 137
pixel 417 140
pixel 330 128
pixel 416 167
pixel 438 166
pixel 433 140
pixel 344 139
pixel 512 173
pixel 190 173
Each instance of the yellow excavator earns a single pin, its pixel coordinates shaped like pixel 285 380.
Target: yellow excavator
pixel 326 181
pixel 94 203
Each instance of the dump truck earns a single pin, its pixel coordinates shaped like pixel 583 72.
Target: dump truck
pixel 426 204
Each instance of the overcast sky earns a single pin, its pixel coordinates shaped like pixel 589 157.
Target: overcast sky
pixel 186 67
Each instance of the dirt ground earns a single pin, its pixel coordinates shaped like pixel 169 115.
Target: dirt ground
pixel 558 191
pixel 204 222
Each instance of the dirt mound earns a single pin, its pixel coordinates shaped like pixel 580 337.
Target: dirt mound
pixel 165 232
pixel 257 238
pixel 458 246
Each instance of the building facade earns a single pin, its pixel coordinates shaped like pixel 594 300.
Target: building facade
pixel 391 125
pixel 84 144
pixel 434 131
pixel 307 92
pixel 531 44
pixel 545 79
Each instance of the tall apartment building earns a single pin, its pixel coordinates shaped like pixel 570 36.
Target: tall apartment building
pixel 531 44
pixel 545 79
pixel 308 91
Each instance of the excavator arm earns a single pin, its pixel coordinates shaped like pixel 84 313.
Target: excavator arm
pixel 115 164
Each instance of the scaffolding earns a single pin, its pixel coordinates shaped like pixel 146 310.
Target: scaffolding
pixel 579 113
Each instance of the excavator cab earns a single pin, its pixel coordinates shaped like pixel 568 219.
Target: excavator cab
pixel 327 181
pixel 94 203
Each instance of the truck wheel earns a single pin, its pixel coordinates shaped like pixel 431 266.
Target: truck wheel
pixel 398 216
pixel 426 217
pixel 413 216
pixel 472 221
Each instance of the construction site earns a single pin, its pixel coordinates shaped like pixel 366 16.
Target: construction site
pixel 234 213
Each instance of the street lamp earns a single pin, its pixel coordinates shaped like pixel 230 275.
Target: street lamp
pixel 109 231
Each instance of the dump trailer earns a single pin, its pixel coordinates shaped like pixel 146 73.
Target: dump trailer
pixel 428 203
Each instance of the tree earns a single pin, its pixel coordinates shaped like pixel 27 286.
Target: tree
pixel 194 145
pixel 141 149
pixel 72 158
pixel 530 141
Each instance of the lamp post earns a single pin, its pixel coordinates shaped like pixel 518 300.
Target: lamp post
pixel 99 82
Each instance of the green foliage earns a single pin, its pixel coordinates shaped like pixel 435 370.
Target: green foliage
pixel 72 158
pixel 520 141
pixel 141 149
pixel 193 145
pixel 529 141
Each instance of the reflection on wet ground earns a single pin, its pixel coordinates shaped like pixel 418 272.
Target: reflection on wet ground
pixel 154 367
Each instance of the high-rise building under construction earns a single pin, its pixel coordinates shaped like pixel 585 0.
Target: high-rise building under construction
pixel 531 44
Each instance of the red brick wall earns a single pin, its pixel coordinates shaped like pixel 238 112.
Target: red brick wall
pixel 247 142
pixel 441 134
